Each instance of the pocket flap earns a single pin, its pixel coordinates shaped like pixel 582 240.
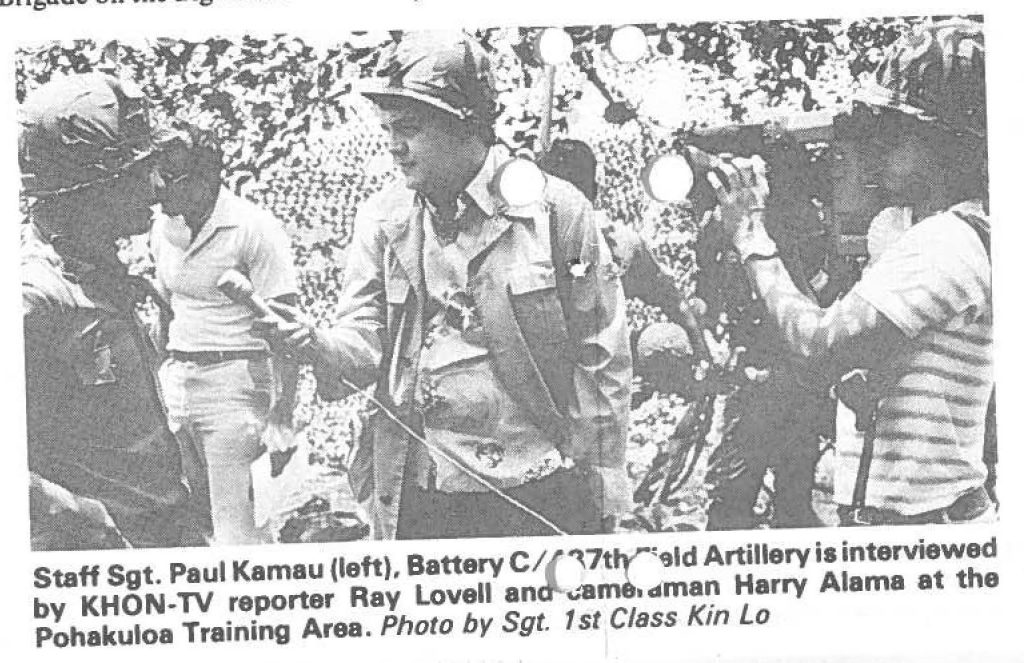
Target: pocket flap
pixel 530 277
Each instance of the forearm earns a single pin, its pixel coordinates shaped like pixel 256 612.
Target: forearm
pixel 346 354
pixel 851 333
pixel 834 338
pixel 286 369
pixel 594 305
pixel 345 358
pixel 800 321
pixel 599 417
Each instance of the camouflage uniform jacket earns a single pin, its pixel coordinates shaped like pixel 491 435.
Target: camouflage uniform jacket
pixel 96 423
pixel 552 312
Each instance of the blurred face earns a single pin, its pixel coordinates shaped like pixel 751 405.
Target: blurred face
pixel 910 173
pixel 189 194
pixel 191 178
pixel 427 144
pixel 175 198
pixel 855 175
pixel 121 207
pixel 887 156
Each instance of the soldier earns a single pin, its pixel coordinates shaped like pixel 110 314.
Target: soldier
pixel 497 334
pixel 921 317
pixel 106 471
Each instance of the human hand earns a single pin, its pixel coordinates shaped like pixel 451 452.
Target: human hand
pixel 287 330
pixel 279 440
pixel 742 189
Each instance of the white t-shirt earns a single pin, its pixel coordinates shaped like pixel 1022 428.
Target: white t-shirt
pixel 238 235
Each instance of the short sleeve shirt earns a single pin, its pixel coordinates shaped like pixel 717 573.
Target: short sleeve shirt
pixel 238 235
pixel 934 284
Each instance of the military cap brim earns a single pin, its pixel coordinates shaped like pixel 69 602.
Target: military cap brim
pixel 382 93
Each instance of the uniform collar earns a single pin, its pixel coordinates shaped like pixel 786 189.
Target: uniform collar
pixel 482 188
pixel 221 216
pixel 404 227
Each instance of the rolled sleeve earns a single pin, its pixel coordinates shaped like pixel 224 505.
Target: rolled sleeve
pixel 352 347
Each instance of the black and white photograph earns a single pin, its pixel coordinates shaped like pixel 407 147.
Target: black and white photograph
pixel 506 282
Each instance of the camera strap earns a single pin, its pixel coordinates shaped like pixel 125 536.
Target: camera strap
pixel 860 486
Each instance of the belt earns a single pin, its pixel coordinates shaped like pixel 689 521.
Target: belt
pixel 217 356
pixel 432 489
pixel 968 506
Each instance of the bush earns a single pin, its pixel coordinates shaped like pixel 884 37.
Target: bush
pixel 300 142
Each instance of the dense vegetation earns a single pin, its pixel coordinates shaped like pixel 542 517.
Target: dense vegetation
pixel 302 142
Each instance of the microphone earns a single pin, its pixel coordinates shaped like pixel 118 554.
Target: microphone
pixel 239 289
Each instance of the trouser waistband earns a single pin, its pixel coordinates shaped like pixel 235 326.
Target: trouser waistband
pixel 968 506
pixel 217 356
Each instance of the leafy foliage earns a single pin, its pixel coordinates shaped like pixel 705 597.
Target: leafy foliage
pixel 300 141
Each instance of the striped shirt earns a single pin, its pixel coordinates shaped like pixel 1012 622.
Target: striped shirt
pixel 934 284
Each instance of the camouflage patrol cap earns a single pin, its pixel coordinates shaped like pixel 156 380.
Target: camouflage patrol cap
pixel 81 129
pixel 936 73
pixel 446 70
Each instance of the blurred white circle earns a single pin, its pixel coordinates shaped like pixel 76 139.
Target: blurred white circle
pixel 553 46
pixel 628 43
pixel 564 573
pixel 645 570
pixel 520 182
pixel 668 178
pixel 798 68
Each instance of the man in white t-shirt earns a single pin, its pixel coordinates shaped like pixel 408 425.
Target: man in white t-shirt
pixel 921 317
pixel 221 385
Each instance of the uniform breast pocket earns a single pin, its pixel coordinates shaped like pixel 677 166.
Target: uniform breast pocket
pixel 541 321
pixel 93 357
pixel 535 303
